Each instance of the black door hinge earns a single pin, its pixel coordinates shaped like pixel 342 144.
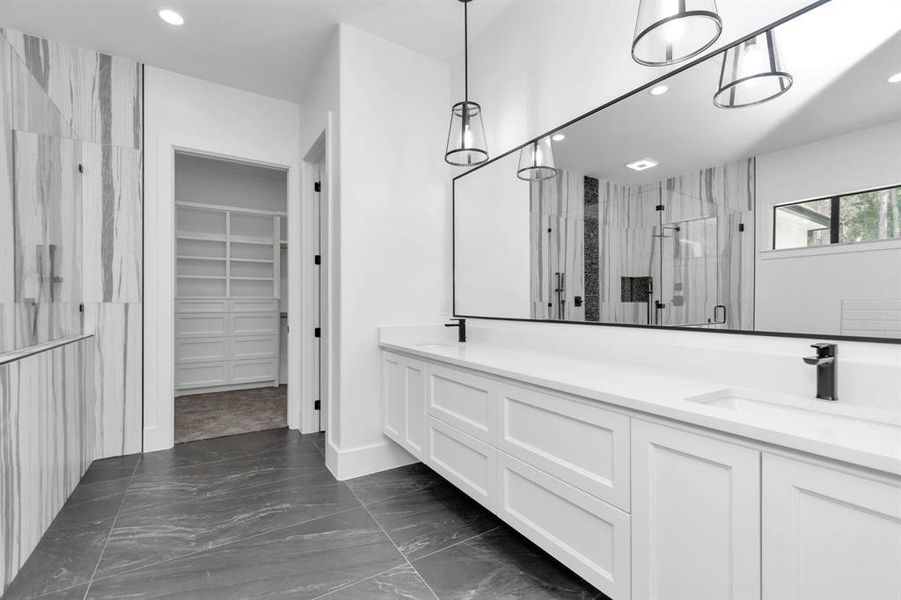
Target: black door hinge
pixel 317 187
pixel 81 307
pixel 81 168
pixel 660 207
pixel 741 226
pixel 317 332
pixel 317 260
pixel 317 405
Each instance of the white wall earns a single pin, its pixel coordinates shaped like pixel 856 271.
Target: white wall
pixel 493 212
pixel 802 289
pixel 218 182
pixel 393 221
pixel 543 63
pixel 184 112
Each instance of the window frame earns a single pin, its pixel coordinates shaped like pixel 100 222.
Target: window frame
pixel 834 216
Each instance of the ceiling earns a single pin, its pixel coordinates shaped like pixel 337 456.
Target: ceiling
pixel 271 47
pixel 840 58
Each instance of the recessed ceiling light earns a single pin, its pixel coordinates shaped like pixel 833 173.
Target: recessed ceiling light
pixel 895 78
pixel 558 137
pixel 641 165
pixel 171 17
pixel 658 90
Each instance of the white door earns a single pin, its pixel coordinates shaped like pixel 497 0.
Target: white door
pixel 695 516
pixel 828 534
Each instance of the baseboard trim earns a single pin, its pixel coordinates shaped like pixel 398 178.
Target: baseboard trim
pixel 365 460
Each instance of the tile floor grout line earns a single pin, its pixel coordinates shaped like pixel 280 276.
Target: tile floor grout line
pixel 353 583
pixel 455 544
pixel 112 526
pixel 229 543
pixel 407 560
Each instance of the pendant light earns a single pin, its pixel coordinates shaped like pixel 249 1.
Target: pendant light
pixel 751 73
pixel 536 161
pixel 466 139
pixel 670 31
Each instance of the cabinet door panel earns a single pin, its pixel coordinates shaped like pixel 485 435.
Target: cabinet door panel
pixel 414 407
pixel 201 324
pixel 576 441
pixel 695 516
pixel 828 534
pixel 463 460
pixel 251 324
pixel 588 535
pixel 254 371
pixel 393 397
pixel 200 349
pixel 464 400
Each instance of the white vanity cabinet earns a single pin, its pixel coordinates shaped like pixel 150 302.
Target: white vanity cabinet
pixel 403 402
pixel 829 533
pixel 643 507
pixel 695 516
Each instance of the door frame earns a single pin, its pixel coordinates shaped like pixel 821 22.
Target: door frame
pixel 159 299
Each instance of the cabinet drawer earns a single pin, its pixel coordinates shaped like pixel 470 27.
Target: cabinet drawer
pixel 251 371
pixel 193 325
pixel 254 323
pixel 587 535
pixel 463 400
pixel 254 347
pixel 254 305
pixel 201 306
pixel 463 460
pixel 573 440
pixel 192 375
pixel 201 349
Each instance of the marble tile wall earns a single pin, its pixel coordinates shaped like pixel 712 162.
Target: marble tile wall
pixel 46 443
pixel 557 246
pixel 706 262
pixel 71 214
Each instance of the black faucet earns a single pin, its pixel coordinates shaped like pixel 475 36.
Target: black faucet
pixel 825 364
pixel 461 328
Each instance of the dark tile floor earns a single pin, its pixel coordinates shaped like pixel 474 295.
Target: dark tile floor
pixel 259 516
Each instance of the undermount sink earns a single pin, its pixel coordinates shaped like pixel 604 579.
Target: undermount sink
pixel 878 430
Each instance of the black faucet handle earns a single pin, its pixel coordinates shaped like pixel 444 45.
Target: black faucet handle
pixel 458 319
pixel 825 349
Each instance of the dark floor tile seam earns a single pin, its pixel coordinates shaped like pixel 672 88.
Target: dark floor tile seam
pixel 110 532
pixel 216 547
pixel 399 551
pixel 463 541
pixel 401 495
pixel 353 583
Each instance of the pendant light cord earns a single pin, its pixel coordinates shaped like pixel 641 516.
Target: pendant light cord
pixel 466 50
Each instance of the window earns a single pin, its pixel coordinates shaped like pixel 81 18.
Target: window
pixel 860 217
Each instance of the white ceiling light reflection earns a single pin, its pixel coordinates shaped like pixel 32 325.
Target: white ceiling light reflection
pixel 171 17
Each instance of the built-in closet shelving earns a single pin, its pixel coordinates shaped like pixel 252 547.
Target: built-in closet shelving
pixel 227 297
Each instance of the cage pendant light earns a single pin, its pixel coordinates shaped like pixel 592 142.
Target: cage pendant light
pixel 670 31
pixel 536 161
pixel 751 74
pixel 466 138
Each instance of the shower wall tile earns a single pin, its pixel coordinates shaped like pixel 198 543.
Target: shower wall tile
pixel 591 245
pixel 112 224
pixel 46 444
pixel 97 94
pixel 117 375
pixel 46 223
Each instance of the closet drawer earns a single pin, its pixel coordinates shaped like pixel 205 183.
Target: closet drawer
pixel 576 441
pixel 254 305
pixel 201 349
pixel 463 460
pixel 253 371
pixel 194 325
pixel 586 534
pixel 201 306
pixel 464 400
pixel 254 347
pixel 254 323
pixel 200 375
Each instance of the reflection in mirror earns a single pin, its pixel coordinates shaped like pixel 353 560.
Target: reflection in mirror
pixel 672 208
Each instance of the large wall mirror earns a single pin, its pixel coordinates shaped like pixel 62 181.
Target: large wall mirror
pixel 696 203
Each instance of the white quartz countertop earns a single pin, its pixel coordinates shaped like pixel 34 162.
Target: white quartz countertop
pixel 633 387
